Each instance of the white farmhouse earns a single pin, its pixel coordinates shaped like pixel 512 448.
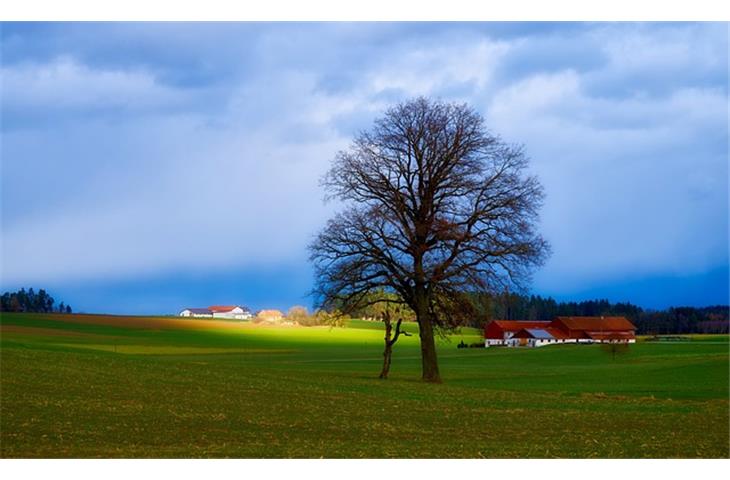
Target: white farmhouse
pixel 219 311
pixel 196 312
pixel 230 311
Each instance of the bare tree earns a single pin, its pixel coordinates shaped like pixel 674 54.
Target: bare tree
pixel 387 307
pixel 390 338
pixel 436 208
pixel 615 347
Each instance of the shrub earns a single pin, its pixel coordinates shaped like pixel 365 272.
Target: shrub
pixel 309 321
pixel 297 314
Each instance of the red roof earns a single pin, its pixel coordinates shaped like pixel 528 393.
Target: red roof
pixel 537 333
pixel 597 328
pixel 496 329
pixel 515 325
pixel 596 324
pixel 556 333
pixel 221 308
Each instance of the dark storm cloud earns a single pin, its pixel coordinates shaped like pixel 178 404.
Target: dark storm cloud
pixel 118 140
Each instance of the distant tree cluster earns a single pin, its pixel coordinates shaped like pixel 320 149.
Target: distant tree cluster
pixel 297 314
pixel 712 319
pixel 511 306
pixel 301 316
pixel 31 301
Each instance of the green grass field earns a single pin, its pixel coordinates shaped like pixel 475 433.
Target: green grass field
pixel 84 386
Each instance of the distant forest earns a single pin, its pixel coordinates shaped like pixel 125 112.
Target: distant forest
pixel 679 320
pixel 30 301
pixel 713 319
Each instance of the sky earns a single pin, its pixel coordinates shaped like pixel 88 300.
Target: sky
pixel 149 167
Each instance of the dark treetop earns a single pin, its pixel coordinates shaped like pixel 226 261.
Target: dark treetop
pixel 436 207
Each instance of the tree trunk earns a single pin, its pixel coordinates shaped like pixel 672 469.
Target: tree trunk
pixel 429 362
pixel 387 355
pixel 388 352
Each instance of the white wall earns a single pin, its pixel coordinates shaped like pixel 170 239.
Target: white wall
pixel 188 313
pixel 236 313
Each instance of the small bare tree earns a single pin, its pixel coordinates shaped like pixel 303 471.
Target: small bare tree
pixel 388 308
pixel 437 208
pixel 390 339
pixel 615 347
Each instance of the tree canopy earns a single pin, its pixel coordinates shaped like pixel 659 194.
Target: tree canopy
pixel 436 208
pixel 31 301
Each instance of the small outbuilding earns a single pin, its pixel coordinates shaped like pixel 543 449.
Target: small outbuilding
pixel 196 312
pixel 532 337
pixel 270 315
pixel 499 332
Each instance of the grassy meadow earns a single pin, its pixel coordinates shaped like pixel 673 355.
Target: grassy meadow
pixel 108 386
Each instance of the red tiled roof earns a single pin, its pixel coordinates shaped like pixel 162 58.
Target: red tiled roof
pixel 537 333
pixel 596 324
pixel 515 325
pixel 221 308
pixel 556 333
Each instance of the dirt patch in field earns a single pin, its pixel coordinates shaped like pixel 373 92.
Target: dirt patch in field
pixel 151 323
pixel 48 332
pixel 174 350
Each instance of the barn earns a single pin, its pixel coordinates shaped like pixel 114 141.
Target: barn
pixel 498 332
pixel 597 329
pixel 538 337
pixel 515 333
pixel 532 337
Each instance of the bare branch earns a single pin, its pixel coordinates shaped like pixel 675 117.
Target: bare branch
pixel 437 208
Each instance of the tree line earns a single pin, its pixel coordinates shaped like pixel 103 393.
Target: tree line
pixel 31 301
pixel 513 306
pixel 680 320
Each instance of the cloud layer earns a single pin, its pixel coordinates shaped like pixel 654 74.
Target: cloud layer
pixel 138 150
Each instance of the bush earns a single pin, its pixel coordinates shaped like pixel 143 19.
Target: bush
pixel 324 318
pixel 297 314
pixel 310 321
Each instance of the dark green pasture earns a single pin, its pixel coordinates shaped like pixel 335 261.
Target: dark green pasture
pixel 84 386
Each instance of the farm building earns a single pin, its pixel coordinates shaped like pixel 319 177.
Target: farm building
pixel 218 311
pixel 196 312
pixel 514 333
pixel 537 337
pixel 498 332
pixel 270 315
pixel 230 311
pixel 597 329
